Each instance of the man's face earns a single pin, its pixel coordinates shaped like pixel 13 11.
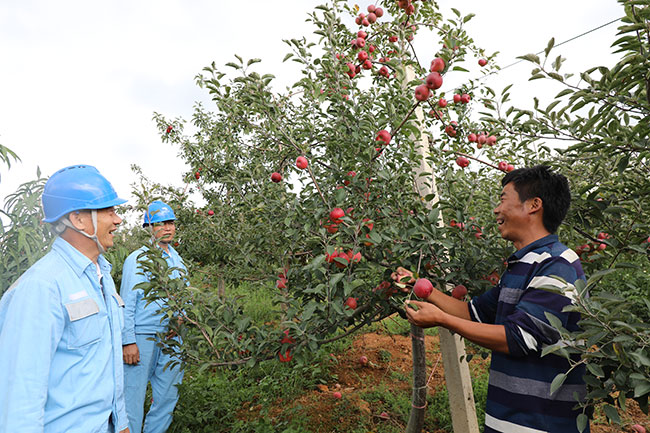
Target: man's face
pixel 164 231
pixel 107 222
pixel 511 215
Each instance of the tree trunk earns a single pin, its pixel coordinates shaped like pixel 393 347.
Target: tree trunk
pixel 419 398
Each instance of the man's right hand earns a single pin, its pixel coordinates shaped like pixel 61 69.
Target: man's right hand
pixel 131 354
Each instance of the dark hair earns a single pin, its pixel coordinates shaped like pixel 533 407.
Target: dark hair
pixel 551 188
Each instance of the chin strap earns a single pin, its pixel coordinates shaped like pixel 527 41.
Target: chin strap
pixel 66 222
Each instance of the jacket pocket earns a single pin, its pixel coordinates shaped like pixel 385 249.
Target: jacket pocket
pixel 85 323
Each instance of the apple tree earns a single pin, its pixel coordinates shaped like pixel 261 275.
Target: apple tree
pixel 314 188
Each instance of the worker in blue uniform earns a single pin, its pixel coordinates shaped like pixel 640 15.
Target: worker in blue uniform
pixel 60 341
pixel 144 360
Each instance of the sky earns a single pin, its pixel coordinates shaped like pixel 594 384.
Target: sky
pixel 80 80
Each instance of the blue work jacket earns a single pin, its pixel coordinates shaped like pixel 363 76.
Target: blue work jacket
pixel 61 348
pixel 140 318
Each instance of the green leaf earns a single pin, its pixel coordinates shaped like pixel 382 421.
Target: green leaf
pixel 531 58
pixel 557 382
pixel 581 422
pixel 549 46
pixel 596 370
pixel 612 413
pixel 641 389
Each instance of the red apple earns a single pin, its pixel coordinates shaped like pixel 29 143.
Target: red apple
pixel 481 139
pixel 361 42
pixel 384 71
pixel 442 103
pixel 383 137
pixel 331 228
pixel 437 65
pixel 392 39
pixel 197 175
pixel 301 162
pixel 276 177
pixel 336 214
pixel 503 165
pixel 638 428
pixel 337 395
pixel 491 140
pixel 371 48
pixel 210 212
pixel 410 9
pixel 422 92
pixel 456 98
pixel 367 64
pixel 510 167
pixel 363 360
pixel 449 129
pixel 462 161
pixel 472 138
pixel 372 9
pixel 379 12
pixel 365 22
pixel 482 62
pixel 459 291
pixel 422 288
pixel 602 246
pixel 351 303
pixel 384 416
pixel 371 18
pixel 464 98
pixel 169 129
pixel 362 34
pixel 434 80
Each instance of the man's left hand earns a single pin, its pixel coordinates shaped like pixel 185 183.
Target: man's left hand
pixel 426 316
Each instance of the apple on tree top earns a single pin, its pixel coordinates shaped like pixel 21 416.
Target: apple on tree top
pixel 336 214
pixel 301 162
pixel 383 137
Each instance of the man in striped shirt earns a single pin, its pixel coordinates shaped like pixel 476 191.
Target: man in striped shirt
pixel 510 319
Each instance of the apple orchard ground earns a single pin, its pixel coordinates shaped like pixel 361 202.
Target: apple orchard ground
pixel 389 368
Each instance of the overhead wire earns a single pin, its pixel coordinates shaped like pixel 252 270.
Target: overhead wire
pixel 556 45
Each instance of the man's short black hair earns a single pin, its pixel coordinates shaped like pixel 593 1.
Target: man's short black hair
pixel 551 188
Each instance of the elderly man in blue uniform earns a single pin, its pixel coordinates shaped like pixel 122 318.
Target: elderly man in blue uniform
pixel 60 322
pixel 144 360
pixel 510 318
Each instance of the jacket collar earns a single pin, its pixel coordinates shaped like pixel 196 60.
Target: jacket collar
pixel 76 260
pixel 546 240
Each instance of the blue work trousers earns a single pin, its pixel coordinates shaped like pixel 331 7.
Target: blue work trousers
pixel 151 368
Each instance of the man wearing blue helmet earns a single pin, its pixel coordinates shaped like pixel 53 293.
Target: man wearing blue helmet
pixel 144 360
pixel 60 341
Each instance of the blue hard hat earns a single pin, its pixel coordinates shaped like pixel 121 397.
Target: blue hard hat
pixel 158 211
pixel 78 187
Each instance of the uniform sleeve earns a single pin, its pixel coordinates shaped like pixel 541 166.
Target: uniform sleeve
pixel 527 328
pixel 31 325
pixel 131 276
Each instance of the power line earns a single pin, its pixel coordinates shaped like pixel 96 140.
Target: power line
pixel 556 45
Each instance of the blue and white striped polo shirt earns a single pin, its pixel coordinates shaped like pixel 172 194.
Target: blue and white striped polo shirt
pixel 519 398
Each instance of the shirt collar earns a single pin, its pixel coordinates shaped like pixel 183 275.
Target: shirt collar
pixel 76 260
pixel 546 240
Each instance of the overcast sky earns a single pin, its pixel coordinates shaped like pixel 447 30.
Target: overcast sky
pixel 80 80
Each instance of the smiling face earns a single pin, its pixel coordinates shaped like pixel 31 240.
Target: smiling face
pixel 513 216
pixel 107 222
